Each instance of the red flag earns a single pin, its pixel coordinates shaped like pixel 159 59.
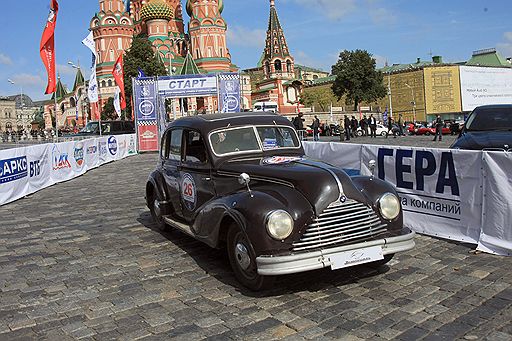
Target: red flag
pixel 118 73
pixel 47 47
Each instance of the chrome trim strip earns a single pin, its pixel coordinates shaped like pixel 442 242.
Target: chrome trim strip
pixel 275 181
pixel 282 265
pixel 332 241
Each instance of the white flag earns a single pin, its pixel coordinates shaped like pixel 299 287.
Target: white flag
pixel 92 90
pixel 117 101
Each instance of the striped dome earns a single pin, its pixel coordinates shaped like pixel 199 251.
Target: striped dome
pixel 156 9
pixel 189 7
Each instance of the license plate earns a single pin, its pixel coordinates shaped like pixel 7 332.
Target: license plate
pixel 355 257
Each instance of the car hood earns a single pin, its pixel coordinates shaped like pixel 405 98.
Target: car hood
pixel 478 140
pixel 317 181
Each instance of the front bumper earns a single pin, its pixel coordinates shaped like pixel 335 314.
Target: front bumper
pixel 282 265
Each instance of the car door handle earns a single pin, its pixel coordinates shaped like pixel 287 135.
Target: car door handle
pixel 206 179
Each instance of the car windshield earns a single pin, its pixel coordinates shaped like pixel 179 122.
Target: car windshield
pixel 484 119
pixel 253 139
pixel 91 127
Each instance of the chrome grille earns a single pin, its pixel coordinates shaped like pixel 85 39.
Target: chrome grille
pixel 340 223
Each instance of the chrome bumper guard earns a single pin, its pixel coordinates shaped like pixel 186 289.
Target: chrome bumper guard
pixel 282 265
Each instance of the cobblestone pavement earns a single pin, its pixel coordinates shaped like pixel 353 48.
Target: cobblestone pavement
pixel 82 260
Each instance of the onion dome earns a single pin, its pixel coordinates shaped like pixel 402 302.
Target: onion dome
pixel 156 9
pixel 189 7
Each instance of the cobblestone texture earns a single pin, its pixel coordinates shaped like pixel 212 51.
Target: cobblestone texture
pixel 82 260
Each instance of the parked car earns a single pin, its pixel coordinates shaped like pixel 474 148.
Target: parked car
pixel 242 181
pixel 309 131
pixel 381 130
pixel 488 127
pixel 430 130
pixel 107 128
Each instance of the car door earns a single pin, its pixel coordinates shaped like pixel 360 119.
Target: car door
pixel 171 163
pixel 196 183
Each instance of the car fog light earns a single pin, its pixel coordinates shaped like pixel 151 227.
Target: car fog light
pixel 389 206
pixel 279 224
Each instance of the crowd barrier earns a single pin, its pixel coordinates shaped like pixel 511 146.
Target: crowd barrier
pixel 29 169
pixel 454 194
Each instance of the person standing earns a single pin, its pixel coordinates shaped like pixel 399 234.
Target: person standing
pixel 400 125
pixel 362 124
pixel 346 125
pixel 439 128
pixel 315 125
pixel 298 123
pixel 353 127
pixel 341 124
pixel 372 122
pixel 390 126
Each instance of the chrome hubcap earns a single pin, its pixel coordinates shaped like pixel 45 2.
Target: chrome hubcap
pixel 156 207
pixel 242 256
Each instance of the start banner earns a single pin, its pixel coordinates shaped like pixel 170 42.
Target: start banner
pixel 29 169
pixel 455 194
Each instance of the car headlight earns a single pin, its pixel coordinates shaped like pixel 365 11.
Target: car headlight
pixel 279 224
pixel 389 206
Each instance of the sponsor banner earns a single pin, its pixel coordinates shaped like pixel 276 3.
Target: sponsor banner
pixel 148 137
pixel 346 156
pixel 28 169
pixel 485 85
pixel 145 99
pixel 229 92
pixel 187 86
pixel 496 234
pixel 439 188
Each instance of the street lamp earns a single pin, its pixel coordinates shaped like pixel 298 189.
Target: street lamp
pixel 22 104
pixel 77 67
pixel 172 43
pixel 413 102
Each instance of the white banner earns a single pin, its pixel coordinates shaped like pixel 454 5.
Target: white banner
pixel 442 190
pixel 92 90
pixel 485 85
pixel 28 169
pixel 496 234
pixel 117 101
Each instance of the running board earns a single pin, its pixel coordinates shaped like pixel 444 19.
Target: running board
pixel 183 227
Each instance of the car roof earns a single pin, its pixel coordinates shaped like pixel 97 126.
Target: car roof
pixel 495 106
pixel 208 122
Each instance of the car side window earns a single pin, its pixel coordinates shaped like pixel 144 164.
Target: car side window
pixel 164 150
pixel 175 145
pixel 195 149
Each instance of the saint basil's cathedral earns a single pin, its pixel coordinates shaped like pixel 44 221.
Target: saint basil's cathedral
pixel 202 49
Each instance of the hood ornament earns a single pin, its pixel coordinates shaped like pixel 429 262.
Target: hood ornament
pixel 244 179
pixel 371 166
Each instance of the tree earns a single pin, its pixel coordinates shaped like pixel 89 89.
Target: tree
pixel 323 97
pixel 140 55
pixel 109 112
pixel 357 78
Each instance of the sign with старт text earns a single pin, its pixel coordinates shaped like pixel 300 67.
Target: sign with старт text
pixel 187 86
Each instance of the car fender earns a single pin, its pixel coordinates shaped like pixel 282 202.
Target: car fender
pixel 157 181
pixel 250 211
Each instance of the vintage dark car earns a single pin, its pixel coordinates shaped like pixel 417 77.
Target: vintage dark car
pixel 107 128
pixel 242 181
pixel 488 127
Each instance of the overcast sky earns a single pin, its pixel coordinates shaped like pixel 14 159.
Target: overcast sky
pixel 316 30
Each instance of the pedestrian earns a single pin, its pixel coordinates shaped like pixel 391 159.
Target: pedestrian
pixel 298 123
pixel 390 126
pixel 439 128
pixel 315 125
pixel 363 123
pixel 341 124
pixel 372 122
pixel 400 125
pixel 353 126
pixel 346 125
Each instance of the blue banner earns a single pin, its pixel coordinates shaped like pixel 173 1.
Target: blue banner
pixel 145 99
pixel 229 92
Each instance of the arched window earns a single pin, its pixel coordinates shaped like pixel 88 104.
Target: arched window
pixel 288 66
pixel 8 126
pixel 109 82
pixel 267 68
pixel 72 102
pixel 278 66
pixel 103 84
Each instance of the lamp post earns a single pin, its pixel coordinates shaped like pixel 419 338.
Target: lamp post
pixel 21 118
pixel 413 102
pixel 389 95
pixel 77 67
pixel 172 43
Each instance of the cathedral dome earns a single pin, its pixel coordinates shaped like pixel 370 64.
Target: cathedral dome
pixel 189 7
pixel 156 9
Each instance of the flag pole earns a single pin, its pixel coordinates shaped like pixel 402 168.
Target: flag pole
pixel 56 119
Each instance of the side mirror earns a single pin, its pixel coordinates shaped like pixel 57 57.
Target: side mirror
pixel 371 166
pixel 244 179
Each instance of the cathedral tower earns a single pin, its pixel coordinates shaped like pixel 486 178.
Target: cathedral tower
pixel 277 60
pixel 207 34
pixel 113 30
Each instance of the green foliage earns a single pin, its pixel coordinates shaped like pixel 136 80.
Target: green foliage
pixel 39 118
pixel 357 78
pixel 318 97
pixel 109 112
pixel 140 55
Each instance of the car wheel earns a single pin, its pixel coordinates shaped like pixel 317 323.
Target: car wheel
pixel 154 207
pixel 381 262
pixel 427 133
pixel 359 133
pixel 384 133
pixel 243 261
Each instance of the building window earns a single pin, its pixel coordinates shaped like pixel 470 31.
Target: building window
pixel 267 68
pixel 103 84
pixel 111 55
pixel 277 65
pixel 109 82
pixel 288 66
